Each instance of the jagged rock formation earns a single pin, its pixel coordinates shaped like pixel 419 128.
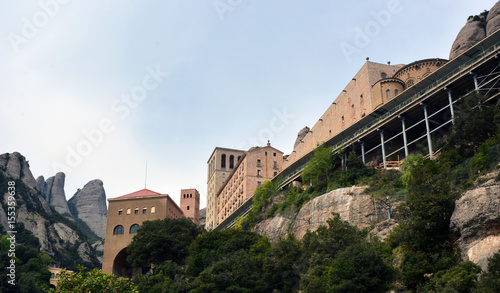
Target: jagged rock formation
pixel 477 28
pixel 53 191
pixel 302 133
pixel 89 205
pixel 53 234
pixel 473 32
pixel 351 203
pixel 476 221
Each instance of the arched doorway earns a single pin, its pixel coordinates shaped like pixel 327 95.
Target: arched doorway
pixel 121 267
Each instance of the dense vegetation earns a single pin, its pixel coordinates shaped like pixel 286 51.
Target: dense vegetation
pixel 31 273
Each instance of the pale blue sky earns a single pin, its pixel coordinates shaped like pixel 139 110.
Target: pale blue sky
pixel 228 73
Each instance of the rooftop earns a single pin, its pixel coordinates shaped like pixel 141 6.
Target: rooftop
pixel 140 193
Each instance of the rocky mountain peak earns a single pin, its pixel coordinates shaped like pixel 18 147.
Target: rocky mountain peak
pixel 54 193
pixel 89 205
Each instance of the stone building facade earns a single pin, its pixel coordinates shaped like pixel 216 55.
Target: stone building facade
pixel 256 166
pixel 125 216
pixel 372 86
pixel 220 164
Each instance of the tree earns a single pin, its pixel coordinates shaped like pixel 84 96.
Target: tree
pixel 94 281
pixel 31 273
pixel 321 167
pixel 358 268
pixel 281 266
pixel 474 123
pixel 425 217
pixel 215 245
pixel 460 278
pixel 339 258
pixel 490 280
pixel 161 240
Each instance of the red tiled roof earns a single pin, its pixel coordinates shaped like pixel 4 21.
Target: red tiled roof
pixel 142 192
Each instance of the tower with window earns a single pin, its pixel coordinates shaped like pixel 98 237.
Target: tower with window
pixel 190 204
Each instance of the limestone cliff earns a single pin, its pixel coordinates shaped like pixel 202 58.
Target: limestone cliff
pixel 351 203
pixel 476 28
pixel 476 221
pixel 36 223
pixel 89 205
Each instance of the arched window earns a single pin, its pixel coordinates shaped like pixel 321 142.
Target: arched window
pixel 144 210
pixel 396 92
pixel 239 157
pixel 153 210
pixel 136 211
pixel 120 212
pixel 388 92
pixel 231 162
pixel 223 161
pixel 118 230
pixel 128 211
pixel 134 228
pixel 383 75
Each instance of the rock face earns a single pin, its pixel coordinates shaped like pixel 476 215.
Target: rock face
pixel 89 205
pixel 477 28
pixel 54 193
pixel 476 221
pixel 302 133
pixel 352 205
pixel 203 217
pixel 473 32
pixel 55 234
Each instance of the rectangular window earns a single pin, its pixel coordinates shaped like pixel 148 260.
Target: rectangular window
pixel 144 210
pixel 275 173
pixel 259 183
pixel 258 173
pixel 120 212
pixel 258 163
pixel 275 165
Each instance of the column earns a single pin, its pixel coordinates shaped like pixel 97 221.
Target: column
pixel 363 151
pixel 451 105
pixel 382 145
pixel 429 142
pixel 474 76
pixel 405 142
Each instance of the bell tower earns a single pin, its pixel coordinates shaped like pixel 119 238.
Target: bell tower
pixel 190 204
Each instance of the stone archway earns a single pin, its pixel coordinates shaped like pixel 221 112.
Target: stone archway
pixel 121 267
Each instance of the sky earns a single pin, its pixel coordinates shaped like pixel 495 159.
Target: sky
pixel 109 89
